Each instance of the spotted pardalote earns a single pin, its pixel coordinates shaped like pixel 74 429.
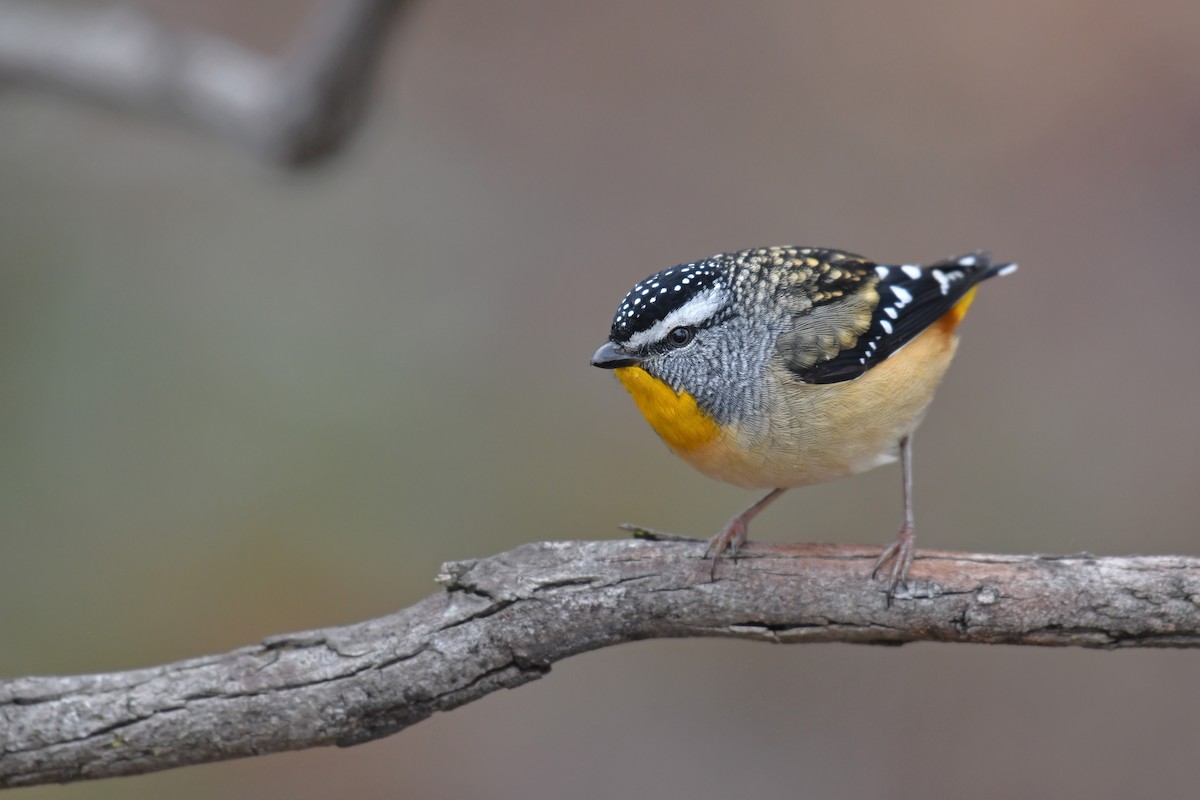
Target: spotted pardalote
pixel 787 366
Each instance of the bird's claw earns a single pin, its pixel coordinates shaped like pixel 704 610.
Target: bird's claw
pixel 900 553
pixel 731 538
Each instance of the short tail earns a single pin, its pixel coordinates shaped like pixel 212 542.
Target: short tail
pixel 975 267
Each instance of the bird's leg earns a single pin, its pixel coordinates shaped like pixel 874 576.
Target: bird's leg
pixel 901 551
pixel 733 535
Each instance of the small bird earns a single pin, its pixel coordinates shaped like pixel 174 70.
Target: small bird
pixel 781 367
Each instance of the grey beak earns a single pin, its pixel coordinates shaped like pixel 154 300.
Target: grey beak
pixel 611 356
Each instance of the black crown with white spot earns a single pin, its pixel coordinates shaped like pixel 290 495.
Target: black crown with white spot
pixel 653 298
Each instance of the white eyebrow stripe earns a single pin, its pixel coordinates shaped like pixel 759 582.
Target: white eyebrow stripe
pixel 693 312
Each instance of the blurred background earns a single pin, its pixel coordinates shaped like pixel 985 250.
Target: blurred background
pixel 236 402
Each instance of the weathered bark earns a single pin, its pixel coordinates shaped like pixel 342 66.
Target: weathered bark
pixel 502 621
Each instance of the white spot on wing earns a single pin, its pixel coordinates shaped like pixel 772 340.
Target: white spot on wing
pixel 943 281
pixel 882 272
pixel 911 271
pixel 967 261
pixel 887 326
pixel 891 312
pixel 903 297
pixel 1007 269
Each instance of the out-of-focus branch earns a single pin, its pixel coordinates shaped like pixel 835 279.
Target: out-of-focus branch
pixel 502 621
pixel 294 110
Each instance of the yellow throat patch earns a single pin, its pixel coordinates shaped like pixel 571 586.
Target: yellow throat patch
pixel 681 423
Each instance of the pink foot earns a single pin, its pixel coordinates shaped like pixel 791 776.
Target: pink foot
pixel 731 538
pixel 900 553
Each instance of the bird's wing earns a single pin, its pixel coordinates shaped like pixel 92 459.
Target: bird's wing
pixel 838 338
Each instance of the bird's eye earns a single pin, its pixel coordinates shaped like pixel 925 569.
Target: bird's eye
pixel 680 336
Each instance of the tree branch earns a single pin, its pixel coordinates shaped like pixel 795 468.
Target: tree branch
pixel 294 111
pixel 502 621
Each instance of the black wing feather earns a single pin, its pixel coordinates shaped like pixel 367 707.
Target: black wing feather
pixel 911 299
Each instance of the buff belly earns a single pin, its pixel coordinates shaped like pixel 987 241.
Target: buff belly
pixel 810 433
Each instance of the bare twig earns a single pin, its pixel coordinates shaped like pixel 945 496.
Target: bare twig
pixel 295 110
pixel 503 621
